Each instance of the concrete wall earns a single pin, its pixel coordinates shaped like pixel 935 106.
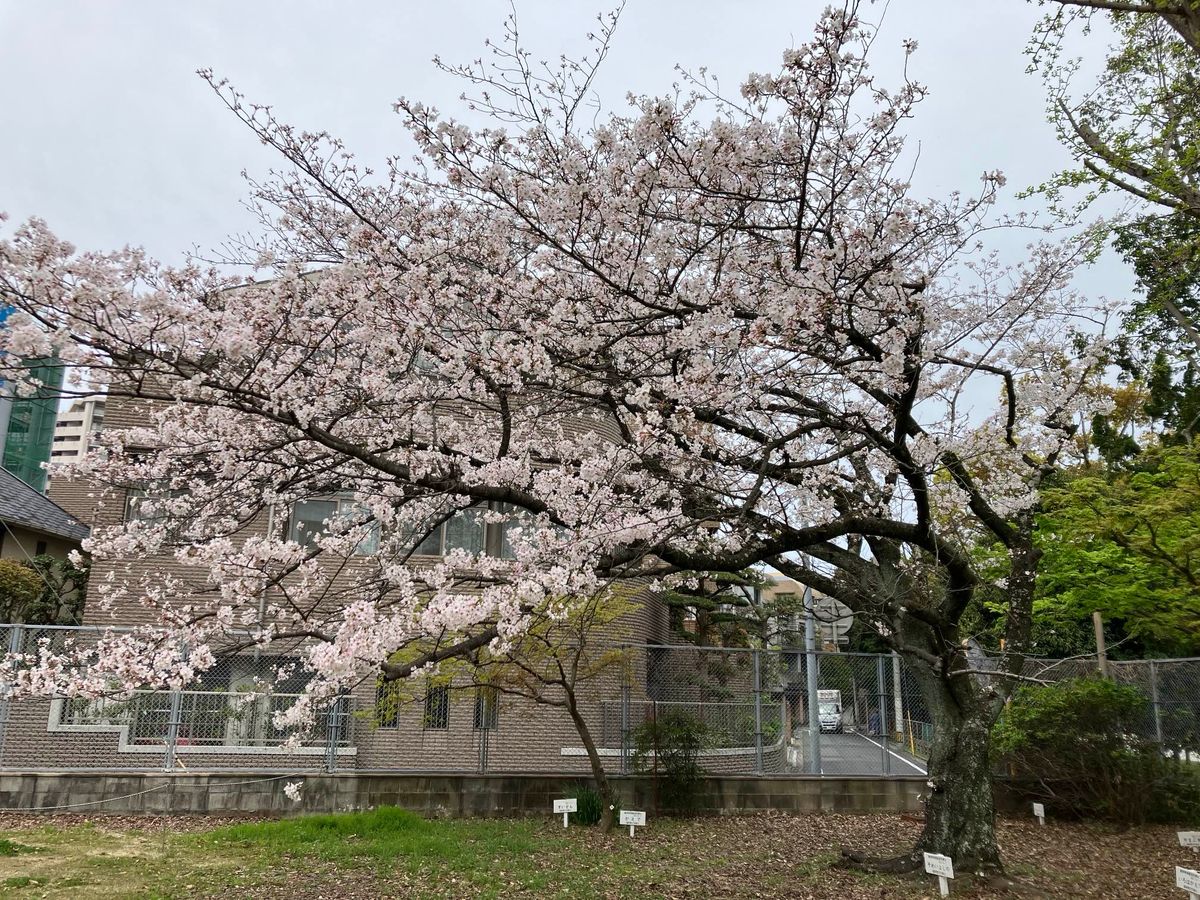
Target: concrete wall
pixel 432 795
pixel 20 544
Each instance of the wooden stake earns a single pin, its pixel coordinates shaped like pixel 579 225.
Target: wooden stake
pixel 1101 651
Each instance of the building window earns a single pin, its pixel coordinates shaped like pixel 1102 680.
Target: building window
pixel 310 519
pixel 63 438
pixel 145 506
pixel 387 704
pixel 487 708
pixel 465 530
pixel 517 519
pixel 437 708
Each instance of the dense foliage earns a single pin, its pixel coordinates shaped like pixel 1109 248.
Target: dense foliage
pixel 1074 745
pixel 20 591
pixel 668 747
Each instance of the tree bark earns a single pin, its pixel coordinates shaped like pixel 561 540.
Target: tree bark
pixel 603 785
pixel 960 813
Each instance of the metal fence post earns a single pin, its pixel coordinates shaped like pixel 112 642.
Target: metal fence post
pixel 758 731
pixel 880 672
pixel 810 660
pixel 332 727
pixel 897 695
pixel 1154 702
pixel 14 647
pixel 625 727
pixel 174 720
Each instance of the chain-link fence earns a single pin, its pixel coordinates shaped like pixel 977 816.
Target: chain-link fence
pixel 751 711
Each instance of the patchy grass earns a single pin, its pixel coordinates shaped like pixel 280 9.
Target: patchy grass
pixel 12 848
pixel 389 852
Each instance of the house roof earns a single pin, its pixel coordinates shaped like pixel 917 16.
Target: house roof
pixel 22 505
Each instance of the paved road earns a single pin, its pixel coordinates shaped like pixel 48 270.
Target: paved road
pixel 857 754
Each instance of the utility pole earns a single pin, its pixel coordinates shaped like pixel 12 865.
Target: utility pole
pixel 1101 651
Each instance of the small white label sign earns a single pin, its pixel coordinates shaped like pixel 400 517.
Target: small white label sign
pixel 937 864
pixel 1189 839
pixel 1187 879
pixel 566 806
pixel 633 817
pixel 1039 810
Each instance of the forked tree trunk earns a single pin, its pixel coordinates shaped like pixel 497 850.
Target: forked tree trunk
pixel 603 786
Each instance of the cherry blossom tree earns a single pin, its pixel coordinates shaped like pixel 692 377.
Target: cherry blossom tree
pixel 708 333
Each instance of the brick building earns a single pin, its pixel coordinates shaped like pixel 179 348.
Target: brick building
pixel 225 721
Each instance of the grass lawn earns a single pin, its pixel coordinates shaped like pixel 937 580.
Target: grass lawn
pixel 392 853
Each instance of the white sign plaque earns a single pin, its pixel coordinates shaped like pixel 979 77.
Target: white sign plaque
pixel 1188 880
pixel 566 806
pixel 1189 839
pixel 943 868
pixel 1039 811
pixel 633 817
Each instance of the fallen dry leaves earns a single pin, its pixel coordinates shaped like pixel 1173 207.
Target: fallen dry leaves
pixel 762 856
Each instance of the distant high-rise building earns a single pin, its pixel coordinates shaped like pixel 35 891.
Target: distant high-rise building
pixel 30 431
pixel 75 426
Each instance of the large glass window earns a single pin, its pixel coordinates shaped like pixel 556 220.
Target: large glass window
pixel 517 519
pixel 310 520
pixel 147 506
pixel 465 530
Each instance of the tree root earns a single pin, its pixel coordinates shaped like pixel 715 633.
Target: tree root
pixel 913 862
pixel 892 865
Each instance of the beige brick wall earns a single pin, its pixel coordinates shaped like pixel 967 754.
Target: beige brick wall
pixel 529 737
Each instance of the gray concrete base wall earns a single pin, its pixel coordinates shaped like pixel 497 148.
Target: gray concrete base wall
pixel 249 793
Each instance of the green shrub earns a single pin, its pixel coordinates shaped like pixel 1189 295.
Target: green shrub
pixel 590 806
pixel 1076 745
pixel 669 747
pixel 20 589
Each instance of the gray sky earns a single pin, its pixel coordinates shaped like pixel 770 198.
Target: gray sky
pixel 111 137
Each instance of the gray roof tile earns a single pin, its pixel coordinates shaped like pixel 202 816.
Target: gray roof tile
pixel 22 505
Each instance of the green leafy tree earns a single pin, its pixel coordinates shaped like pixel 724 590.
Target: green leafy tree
pixel 1075 745
pixel 1127 543
pixel 718 608
pixel 63 591
pixel 20 590
pixel 1136 131
pixel 557 661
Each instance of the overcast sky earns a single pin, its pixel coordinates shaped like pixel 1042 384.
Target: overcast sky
pixel 110 136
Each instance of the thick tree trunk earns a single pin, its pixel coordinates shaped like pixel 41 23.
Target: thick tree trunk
pixel 603 786
pixel 960 815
